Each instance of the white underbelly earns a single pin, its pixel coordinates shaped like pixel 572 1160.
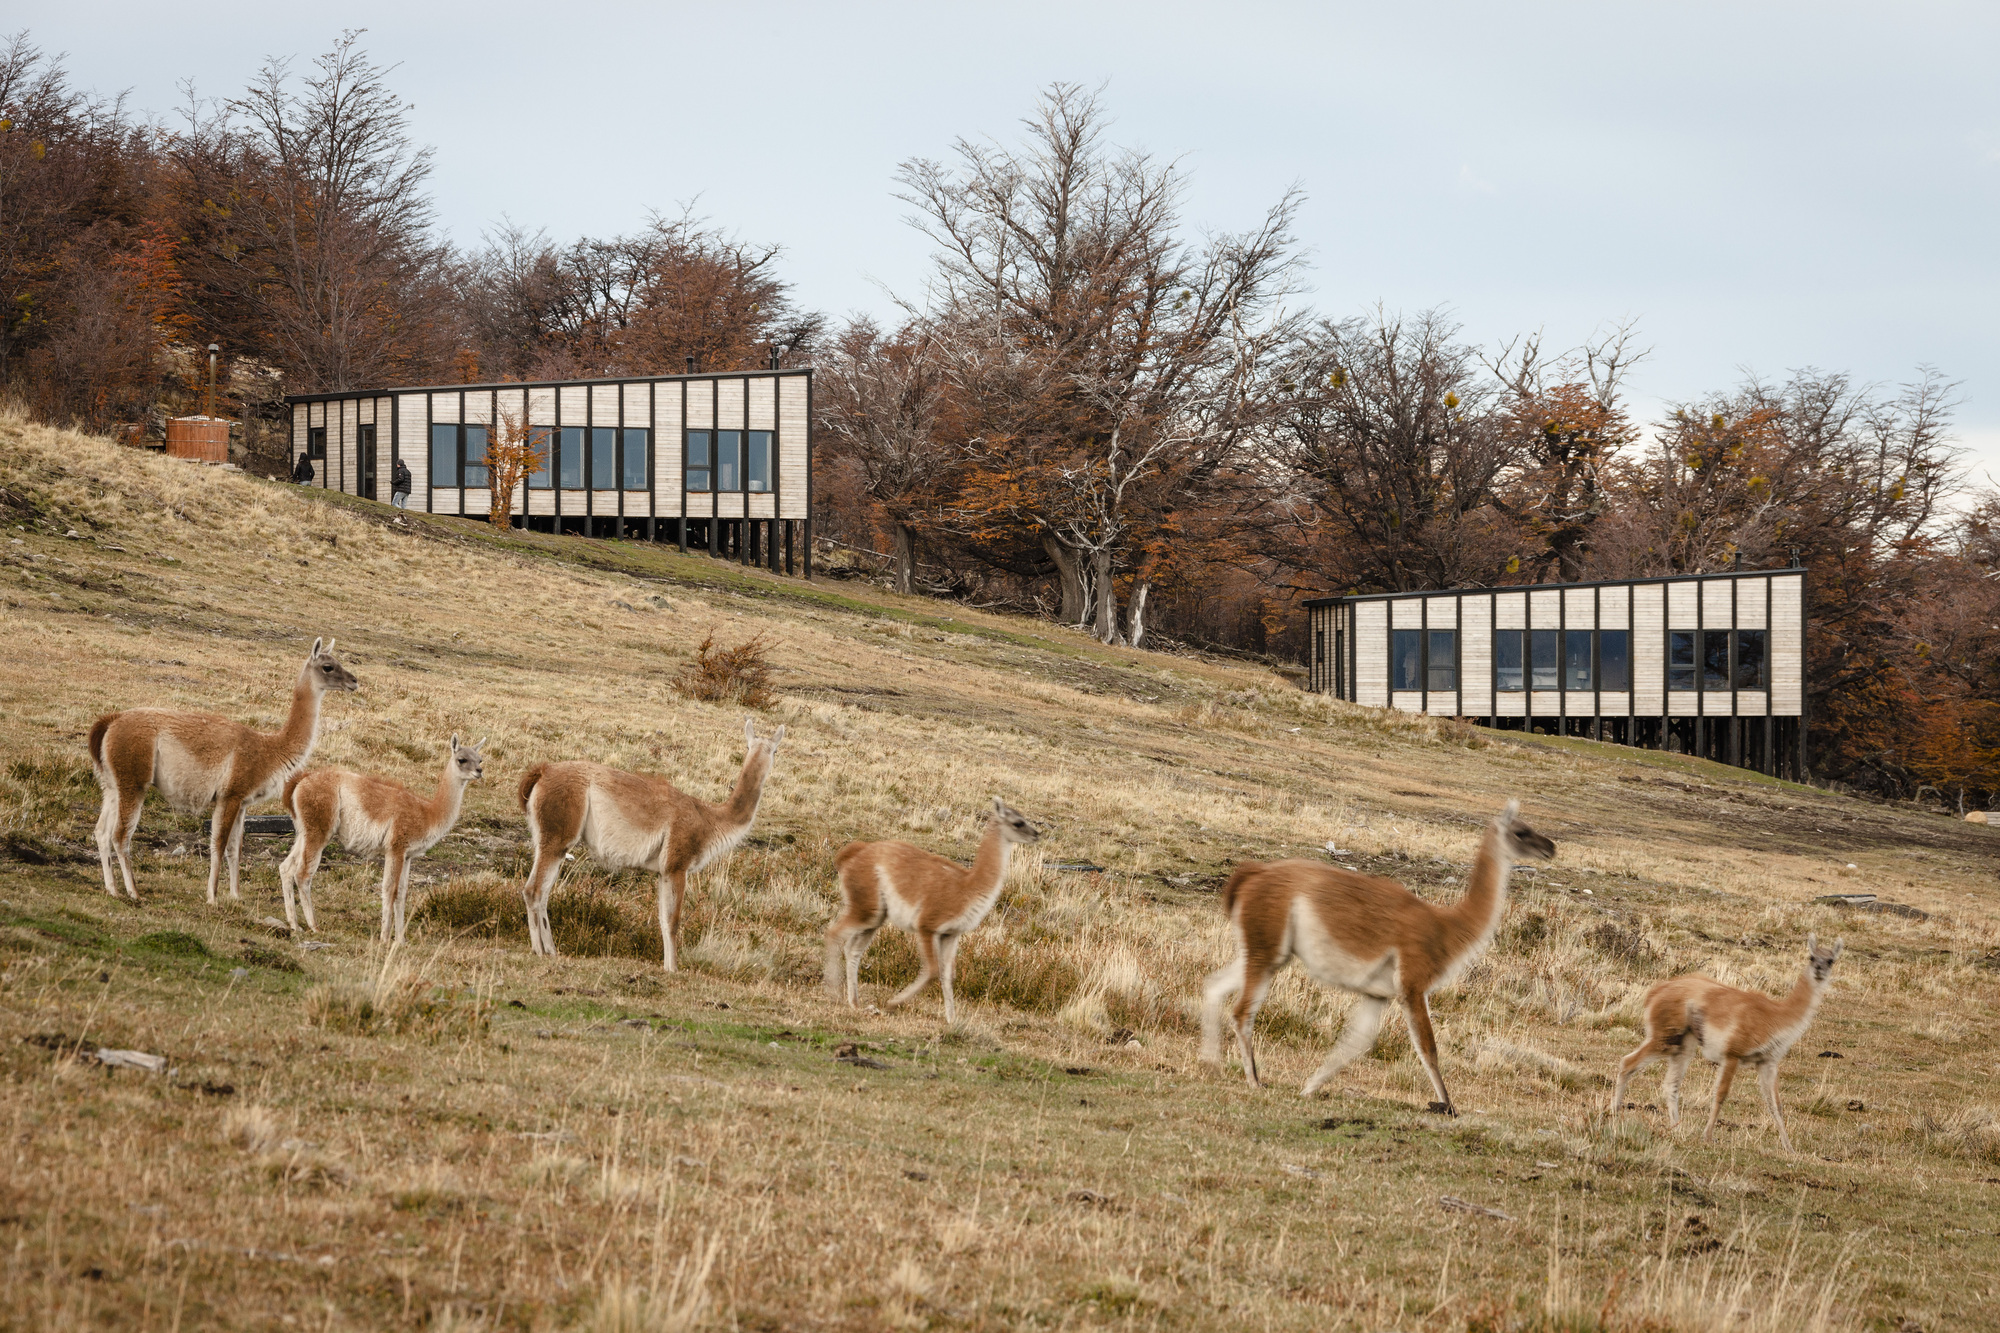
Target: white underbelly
pixel 903 913
pixel 1326 962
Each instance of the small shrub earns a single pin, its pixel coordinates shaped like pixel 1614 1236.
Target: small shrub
pixel 589 917
pixel 408 1006
pixel 739 675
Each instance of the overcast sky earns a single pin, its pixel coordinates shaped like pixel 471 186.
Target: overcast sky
pixel 1760 186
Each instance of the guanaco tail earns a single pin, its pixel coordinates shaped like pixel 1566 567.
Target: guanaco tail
pixel 198 760
pixel 634 821
pixel 1358 933
pixel 373 816
pixel 1728 1026
pixel 935 900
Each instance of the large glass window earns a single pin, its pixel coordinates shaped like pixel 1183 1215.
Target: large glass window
pixel 728 460
pixel 1441 670
pixel 1715 659
pixel 444 455
pixel 1614 659
pixel 633 460
pixel 757 462
pixel 1577 674
pixel 1753 667
pixel 1319 645
pixel 603 458
pixel 475 454
pixel 1680 660
pixel 1507 674
pixel 316 442
pixel 540 439
pixel 569 458
pixel 697 472
pixel 1406 668
pixel 1542 646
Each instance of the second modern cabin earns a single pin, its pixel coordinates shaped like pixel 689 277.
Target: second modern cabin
pixel 1710 664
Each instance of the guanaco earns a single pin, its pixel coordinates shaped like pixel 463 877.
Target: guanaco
pixel 634 821
pixel 1729 1027
pixel 1362 934
pixel 198 760
pixel 935 900
pixel 373 816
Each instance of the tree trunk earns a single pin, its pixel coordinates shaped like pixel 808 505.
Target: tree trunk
pixel 1135 613
pixel 1070 576
pixel 1107 598
pixel 906 557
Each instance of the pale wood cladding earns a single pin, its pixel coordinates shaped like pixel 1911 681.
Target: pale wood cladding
pixel 758 401
pixel 1769 600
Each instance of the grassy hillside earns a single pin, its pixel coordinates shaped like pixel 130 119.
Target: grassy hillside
pixel 461 1135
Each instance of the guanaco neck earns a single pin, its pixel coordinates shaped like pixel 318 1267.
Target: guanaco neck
pixel 989 866
pixel 741 807
pixel 446 801
pixel 1801 1000
pixel 302 723
pixel 1485 898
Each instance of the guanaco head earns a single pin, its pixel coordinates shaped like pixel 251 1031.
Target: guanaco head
pixel 325 672
pixel 1821 960
pixel 1014 826
pixel 467 763
pixel 1517 840
pixel 762 750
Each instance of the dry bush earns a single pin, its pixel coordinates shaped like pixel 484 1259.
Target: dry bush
pixel 739 675
pixel 250 1127
pixel 39 796
pixel 399 1006
pixel 589 917
pixel 674 1308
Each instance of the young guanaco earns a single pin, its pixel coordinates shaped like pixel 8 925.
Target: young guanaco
pixel 935 900
pixel 376 817
pixel 1358 933
pixel 1729 1027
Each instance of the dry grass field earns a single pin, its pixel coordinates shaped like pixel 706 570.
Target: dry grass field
pixel 460 1135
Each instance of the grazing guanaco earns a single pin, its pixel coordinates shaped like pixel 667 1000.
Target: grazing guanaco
pixel 1359 933
pixel 1729 1027
pixel 373 816
pixel 198 760
pixel 936 900
pixel 634 821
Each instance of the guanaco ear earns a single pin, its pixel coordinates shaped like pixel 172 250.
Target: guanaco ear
pixel 999 806
pixel 1812 942
pixel 1838 945
pixel 479 744
pixel 780 736
pixel 1510 812
pixel 749 730
pixel 454 742
pixel 315 649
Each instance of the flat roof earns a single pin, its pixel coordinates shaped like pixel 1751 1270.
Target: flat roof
pixel 1543 587
pixel 291 398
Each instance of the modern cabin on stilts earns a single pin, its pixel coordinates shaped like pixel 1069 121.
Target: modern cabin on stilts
pixel 1710 665
pixel 719 461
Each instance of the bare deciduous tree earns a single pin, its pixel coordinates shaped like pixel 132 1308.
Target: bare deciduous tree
pixel 1110 366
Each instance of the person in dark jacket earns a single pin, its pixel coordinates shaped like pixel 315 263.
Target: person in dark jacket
pixel 399 485
pixel 302 472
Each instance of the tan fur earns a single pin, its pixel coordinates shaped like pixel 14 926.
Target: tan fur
pixel 1729 1027
pixel 372 816
pixel 935 900
pixel 634 821
pixel 1355 932
pixel 198 760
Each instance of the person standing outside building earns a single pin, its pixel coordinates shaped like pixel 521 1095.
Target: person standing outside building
pixel 399 485
pixel 302 471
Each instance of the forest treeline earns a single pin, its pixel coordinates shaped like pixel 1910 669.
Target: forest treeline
pixel 1093 410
